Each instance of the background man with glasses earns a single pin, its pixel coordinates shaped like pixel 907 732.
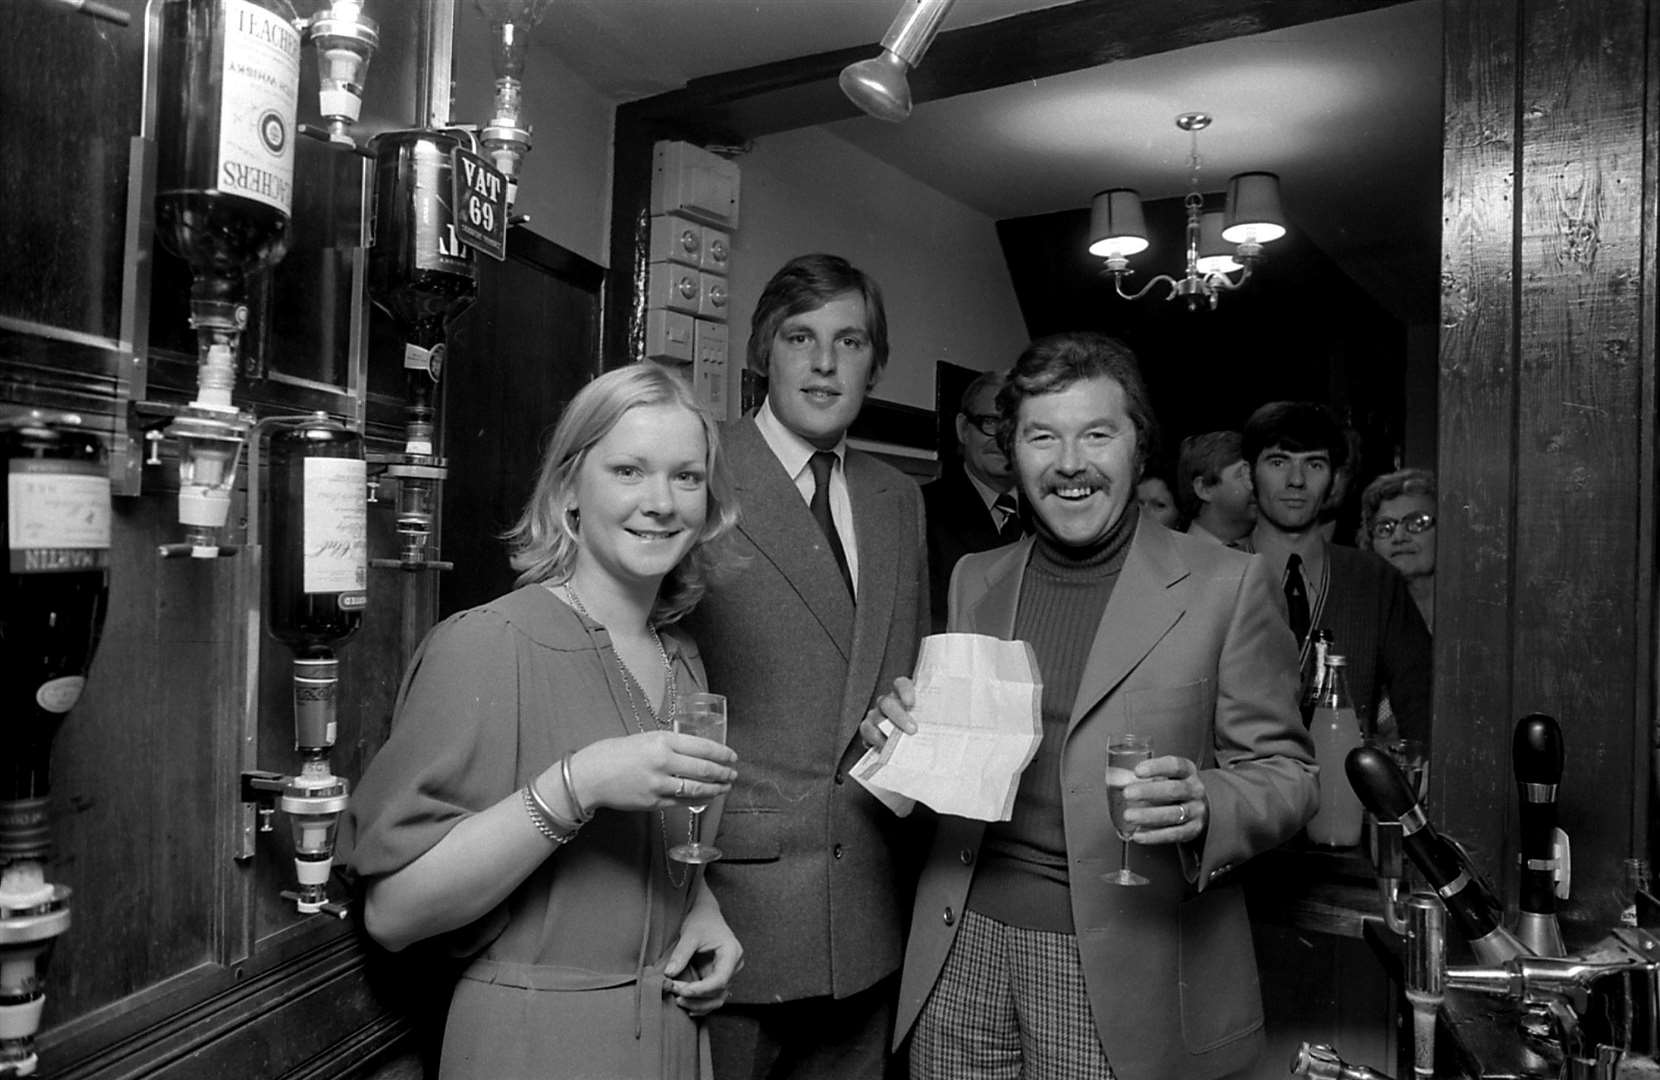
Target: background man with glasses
pixel 975 508
pixel 1295 448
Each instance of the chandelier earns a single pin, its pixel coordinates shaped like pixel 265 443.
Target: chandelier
pixel 1220 243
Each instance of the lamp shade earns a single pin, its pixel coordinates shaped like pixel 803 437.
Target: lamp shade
pixel 1253 215
pixel 1215 253
pixel 1116 226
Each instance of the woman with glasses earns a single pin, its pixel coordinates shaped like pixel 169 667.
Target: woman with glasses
pixel 1397 513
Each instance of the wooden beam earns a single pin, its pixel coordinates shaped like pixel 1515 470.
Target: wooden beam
pixel 802 92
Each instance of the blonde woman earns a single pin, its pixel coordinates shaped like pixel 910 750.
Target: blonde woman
pixel 521 812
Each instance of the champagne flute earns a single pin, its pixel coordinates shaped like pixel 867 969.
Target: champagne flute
pixel 1124 751
pixel 703 715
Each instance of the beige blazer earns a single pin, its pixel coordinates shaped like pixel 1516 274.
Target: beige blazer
pixel 1192 649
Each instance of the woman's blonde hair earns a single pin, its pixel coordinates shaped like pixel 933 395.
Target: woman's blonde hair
pixel 543 542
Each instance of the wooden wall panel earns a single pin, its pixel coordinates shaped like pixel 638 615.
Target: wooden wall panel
pixel 1579 374
pixel 1545 569
pixel 1477 389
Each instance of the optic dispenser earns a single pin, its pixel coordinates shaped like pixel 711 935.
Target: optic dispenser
pixel 316 553
pixel 56 515
pixel 423 275
pixel 226 101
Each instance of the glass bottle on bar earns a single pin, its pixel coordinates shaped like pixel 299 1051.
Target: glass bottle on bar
pixel 317 553
pixel 1321 646
pixel 56 517
pixel 226 107
pixel 423 276
pixel 1335 729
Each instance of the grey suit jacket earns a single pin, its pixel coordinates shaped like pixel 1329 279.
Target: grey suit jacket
pixel 809 880
pixel 1192 650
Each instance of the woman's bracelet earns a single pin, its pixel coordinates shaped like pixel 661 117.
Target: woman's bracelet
pixel 582 814
pixel 552 827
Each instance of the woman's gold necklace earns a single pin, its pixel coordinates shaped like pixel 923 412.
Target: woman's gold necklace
pixel 665 722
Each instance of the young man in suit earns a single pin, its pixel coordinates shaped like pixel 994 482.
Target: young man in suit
pixel 1296 449
pixel 830 606
pixel 1022 957
pixel 974 508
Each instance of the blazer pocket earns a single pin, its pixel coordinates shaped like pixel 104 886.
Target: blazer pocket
pixel 1179 718
pixel 750 836
pixel 1221 998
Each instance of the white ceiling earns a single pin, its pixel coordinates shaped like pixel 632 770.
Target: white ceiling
pixel 1347 111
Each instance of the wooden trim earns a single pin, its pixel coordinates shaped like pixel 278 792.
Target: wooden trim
pixel 122 1041
pixel 1645 726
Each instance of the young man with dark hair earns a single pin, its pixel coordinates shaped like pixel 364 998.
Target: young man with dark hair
pixel 1213 485
pixel 1295 449
pixel 830 606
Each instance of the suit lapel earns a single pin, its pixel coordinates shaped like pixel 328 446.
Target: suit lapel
pixel 876 523
pixel 1143 607
pixel 775 519
pixel 993 613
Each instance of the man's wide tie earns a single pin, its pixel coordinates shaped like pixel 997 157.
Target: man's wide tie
pixel 1296 597
pixel 1008 521
pixel 821 463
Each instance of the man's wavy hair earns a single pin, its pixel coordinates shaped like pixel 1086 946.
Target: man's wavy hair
pixel 1051 364
pixel 543 542
pixel 807 283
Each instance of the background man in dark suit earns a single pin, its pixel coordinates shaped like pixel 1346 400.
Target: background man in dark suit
pixel 973 508
pixel 830 607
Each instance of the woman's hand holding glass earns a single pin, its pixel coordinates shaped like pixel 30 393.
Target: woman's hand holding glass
pixel 656 770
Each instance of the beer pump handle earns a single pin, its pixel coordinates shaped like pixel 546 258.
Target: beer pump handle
pixel 1536 754
pixel 1384 790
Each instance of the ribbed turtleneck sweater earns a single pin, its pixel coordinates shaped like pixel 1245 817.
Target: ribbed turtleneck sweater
pixel 1022 877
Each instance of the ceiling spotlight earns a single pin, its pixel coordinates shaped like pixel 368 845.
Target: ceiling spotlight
pixel 878 85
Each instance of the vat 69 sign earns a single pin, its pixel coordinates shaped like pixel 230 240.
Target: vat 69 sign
pixel 480 203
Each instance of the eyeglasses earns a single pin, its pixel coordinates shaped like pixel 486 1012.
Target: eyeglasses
pixel 1384 528
pixel 985 423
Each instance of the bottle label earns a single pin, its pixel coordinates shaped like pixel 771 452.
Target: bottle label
pixel 258 105
pixel 336 534
pixel 431 361
pixel 57 516
pixel 60 695
pixel 437 246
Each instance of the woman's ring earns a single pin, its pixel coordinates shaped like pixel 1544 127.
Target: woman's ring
pixel 680 789
pixel 1181 810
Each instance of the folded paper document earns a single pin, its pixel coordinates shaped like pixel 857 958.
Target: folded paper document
pixel 978 722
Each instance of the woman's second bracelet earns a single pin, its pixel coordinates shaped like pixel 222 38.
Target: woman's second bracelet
pixel 552 827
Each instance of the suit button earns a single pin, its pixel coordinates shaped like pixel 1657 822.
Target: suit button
pixel 967 856
pixel 948 917
pixel 836 851
pixel 840 778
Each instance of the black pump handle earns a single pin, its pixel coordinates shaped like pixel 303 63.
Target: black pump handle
pixel 1537 750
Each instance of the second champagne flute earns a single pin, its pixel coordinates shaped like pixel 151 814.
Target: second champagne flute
pixel 1124 751
pixel 703 715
